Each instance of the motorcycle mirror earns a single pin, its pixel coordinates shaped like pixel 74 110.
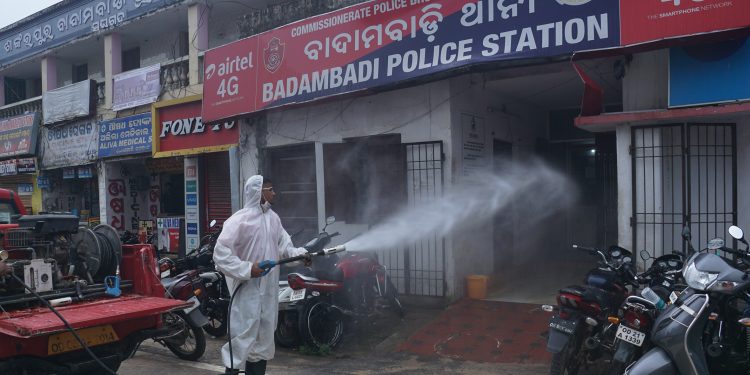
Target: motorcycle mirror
pixel 3 255
pixel 213 222
pixel 330 220
pixel 645 255
pixel 736 232
pixel 686 233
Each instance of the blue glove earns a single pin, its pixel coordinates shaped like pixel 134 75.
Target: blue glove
pixel 266 266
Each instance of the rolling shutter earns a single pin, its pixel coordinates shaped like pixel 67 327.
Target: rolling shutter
pixel 217 187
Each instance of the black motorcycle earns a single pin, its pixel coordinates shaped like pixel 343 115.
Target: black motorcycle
pixel 580 332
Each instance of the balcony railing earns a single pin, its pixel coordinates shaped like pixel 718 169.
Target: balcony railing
pixel 22 107
pixel 174 73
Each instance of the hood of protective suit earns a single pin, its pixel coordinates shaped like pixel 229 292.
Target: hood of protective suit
pixel 253 190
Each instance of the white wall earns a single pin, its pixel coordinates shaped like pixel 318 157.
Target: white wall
pixel 505 119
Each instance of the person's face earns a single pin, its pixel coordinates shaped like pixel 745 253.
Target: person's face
pixel 267 194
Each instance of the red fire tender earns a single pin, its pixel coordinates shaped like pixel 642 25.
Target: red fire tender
pixel 33 340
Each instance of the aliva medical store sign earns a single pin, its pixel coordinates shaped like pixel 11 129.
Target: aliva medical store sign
pixel 380 42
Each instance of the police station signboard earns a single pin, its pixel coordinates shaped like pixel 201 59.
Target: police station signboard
pixel 178 129
pixel 385 41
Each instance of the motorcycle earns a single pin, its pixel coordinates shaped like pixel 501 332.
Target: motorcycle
pixel 706 329
pixel 186 338
pixel 354 285
pixel 637 314
pixel 581 330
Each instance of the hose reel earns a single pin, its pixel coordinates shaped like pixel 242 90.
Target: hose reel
pixel 98 250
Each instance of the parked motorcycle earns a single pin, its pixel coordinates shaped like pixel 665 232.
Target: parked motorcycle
pixel 580 331
pixel 354 285
pixel 186 338
pixel 705 330
pixel 637 314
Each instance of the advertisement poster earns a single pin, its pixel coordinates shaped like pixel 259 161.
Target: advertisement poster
pixel 125 136
pixel 26 165
pixel 381 42
pixel 136 87
pixel 475 160
pixel 69 145
pixel 192 204
pixel 179 129
pixel 644 21
pixel 68 102
pixel 168 237
pixel 18 135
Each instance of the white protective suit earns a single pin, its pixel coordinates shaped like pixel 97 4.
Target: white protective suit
pixel 253 234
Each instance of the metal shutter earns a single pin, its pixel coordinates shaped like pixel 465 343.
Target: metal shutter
pixel 218 192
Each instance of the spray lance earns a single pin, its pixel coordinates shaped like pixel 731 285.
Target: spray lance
pixel 267 265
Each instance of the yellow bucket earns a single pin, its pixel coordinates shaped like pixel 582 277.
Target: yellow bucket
pixel 476 286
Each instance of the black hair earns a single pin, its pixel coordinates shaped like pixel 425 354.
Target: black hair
pixel 267 181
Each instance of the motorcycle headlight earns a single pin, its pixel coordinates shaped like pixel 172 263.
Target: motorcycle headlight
pixel 698 280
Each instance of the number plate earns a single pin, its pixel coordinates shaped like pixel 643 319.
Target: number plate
pixel 66 342
pixel 297 295
pixel 630 335
pixel 562 325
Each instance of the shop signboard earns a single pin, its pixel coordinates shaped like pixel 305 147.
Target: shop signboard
pixel 69 145
pixel 709 74
pixel 644 21
pixel 26 166
pixel 178 129
pixel 69 173
pixel 85 172
pixel 18 135
pixel 125 136
pixel 43 182
pixel 25 189
pixel 376 43
pixel 136 87
pixel 8 167
pixel 70 21
pixel 68 102
pixel 192 204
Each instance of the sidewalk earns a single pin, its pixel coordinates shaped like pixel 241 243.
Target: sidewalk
pixel 484 331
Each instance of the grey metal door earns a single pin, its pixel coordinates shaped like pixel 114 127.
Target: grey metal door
pixel 683 174
pixel 419 268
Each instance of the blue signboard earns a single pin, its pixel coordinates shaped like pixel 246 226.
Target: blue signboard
pixel 42 182
pixel 191 199
pixel 709 74
pixel 192 228
pixel 125 136
pixel 68 23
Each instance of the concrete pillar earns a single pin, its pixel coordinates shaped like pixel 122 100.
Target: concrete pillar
pixel 197 40
pixel 104 196
pixel 112 65
pixel 624 187
pixel 49 74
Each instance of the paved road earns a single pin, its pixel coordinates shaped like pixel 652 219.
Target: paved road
pixel 155 360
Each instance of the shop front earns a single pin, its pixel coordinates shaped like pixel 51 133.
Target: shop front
pixel 18 143
pixel 69 176
pixel 202 190
pixel 130 190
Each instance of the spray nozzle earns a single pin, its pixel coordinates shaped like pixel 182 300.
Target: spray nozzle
pixel 334 250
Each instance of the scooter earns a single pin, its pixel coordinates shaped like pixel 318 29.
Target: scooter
pixel 705 330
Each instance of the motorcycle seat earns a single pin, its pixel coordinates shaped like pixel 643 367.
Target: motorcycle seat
pixel 588 294
pixel 336 274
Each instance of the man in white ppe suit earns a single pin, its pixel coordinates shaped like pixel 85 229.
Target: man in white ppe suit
pixel 250 240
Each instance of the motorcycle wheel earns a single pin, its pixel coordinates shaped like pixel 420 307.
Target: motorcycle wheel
pixel 392 296
pixel 322 325
pixel 287 330
pixel 567 360
pixel 190 343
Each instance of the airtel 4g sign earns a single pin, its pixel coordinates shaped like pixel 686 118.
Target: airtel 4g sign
pixel 181 130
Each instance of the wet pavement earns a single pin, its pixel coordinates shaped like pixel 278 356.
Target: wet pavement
pixel 426 341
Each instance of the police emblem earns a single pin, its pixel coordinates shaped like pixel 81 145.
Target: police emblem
pixel 273 55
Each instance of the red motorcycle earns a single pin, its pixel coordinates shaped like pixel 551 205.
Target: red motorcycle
pixel 354 285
